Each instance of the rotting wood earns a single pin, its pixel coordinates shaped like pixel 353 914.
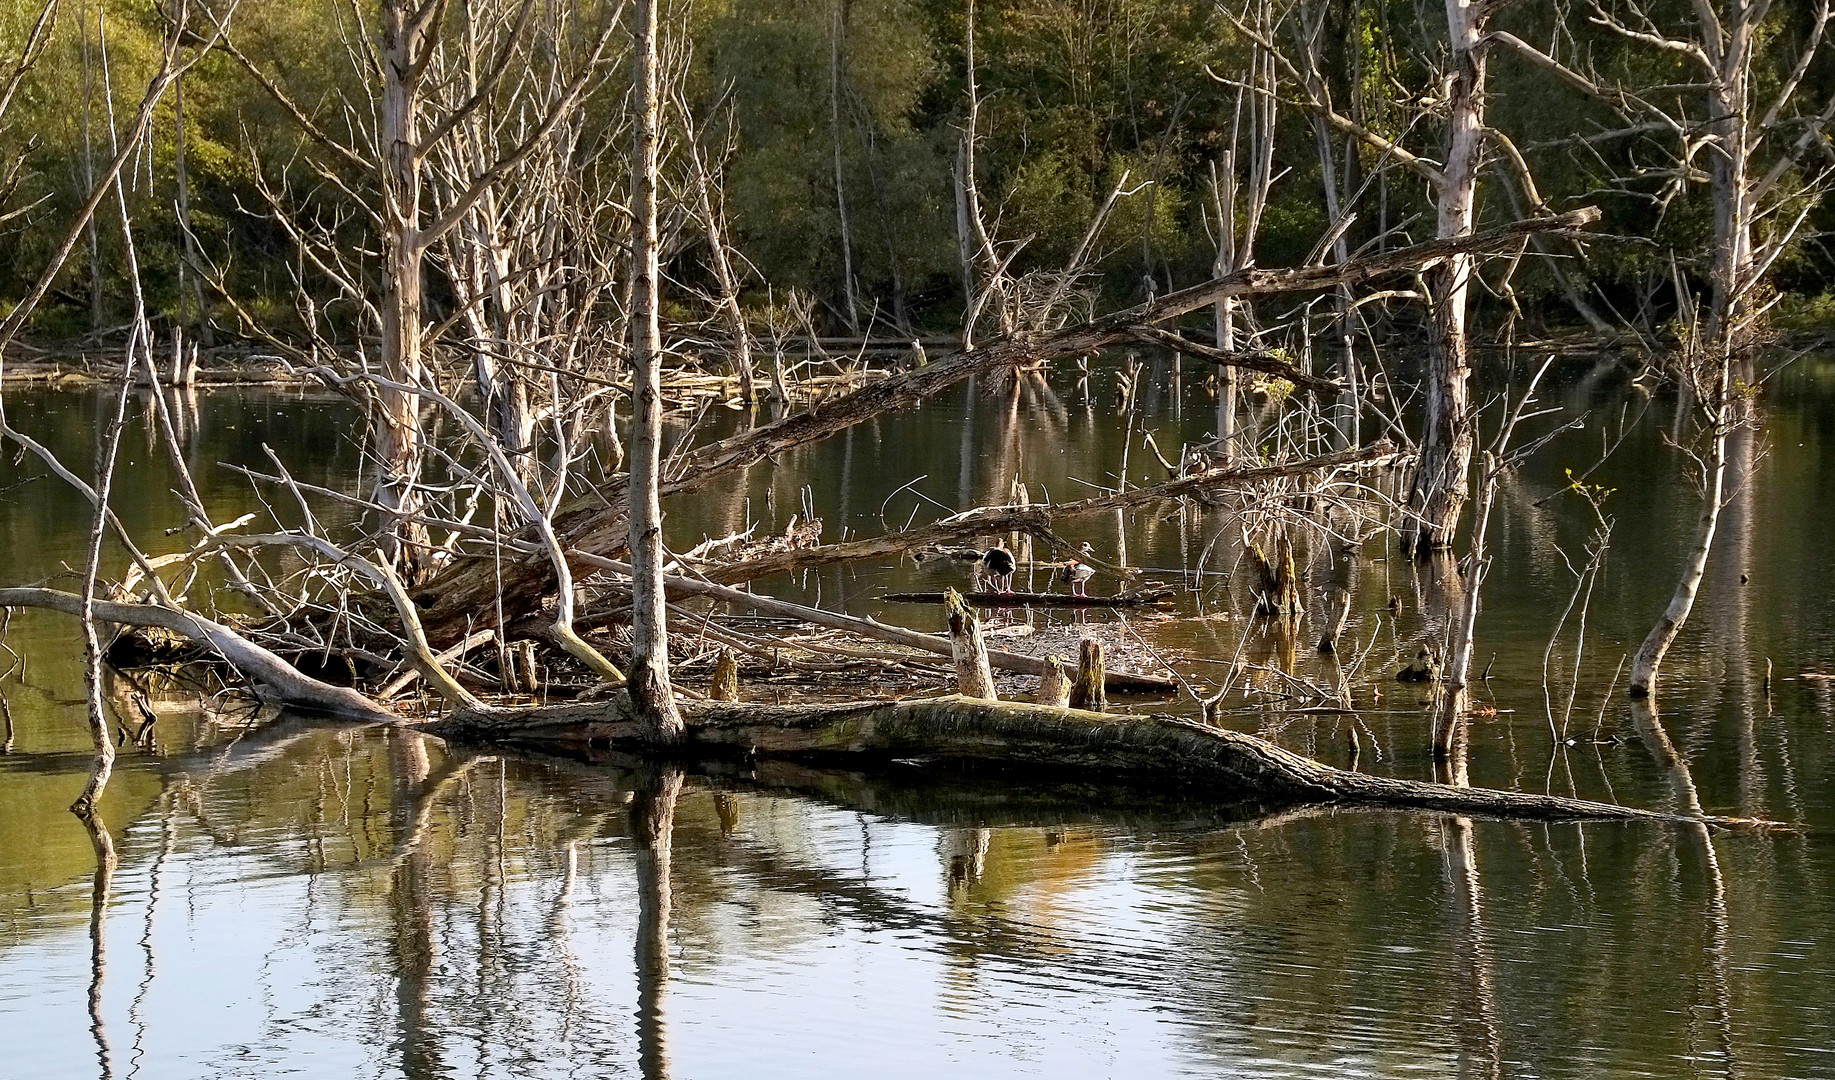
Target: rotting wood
pixel 1143 598
pixel 974 678
pixel 598 524
pixel 1167 751
pixel 1054 685
pixel 1088 691
pixel 1120 681
pixel 726 678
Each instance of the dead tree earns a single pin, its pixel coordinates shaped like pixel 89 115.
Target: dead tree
pixel 474 586
pixel 384 171
pixel 1717 423
pixel 1440 487
pixel 1760 142
pixel 651 693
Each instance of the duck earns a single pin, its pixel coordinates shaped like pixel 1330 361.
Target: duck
pixel 998 564
pixel 1077 574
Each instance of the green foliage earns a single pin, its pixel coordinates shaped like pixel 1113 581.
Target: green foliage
pixel 1075 93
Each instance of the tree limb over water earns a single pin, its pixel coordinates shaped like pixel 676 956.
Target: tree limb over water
pixel 599 525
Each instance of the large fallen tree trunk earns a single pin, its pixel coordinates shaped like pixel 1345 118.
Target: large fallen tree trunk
pixel 598 524
pixel 1040 519
pixel 873 628
pixel 1148 598
pixel 1168 751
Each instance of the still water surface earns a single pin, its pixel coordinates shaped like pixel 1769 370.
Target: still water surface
pixel 315 900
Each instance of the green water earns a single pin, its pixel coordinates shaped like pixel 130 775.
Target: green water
pixel 327 901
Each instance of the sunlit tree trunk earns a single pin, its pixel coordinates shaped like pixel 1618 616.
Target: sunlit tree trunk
pixel 1440 486
pixel 1649 658
pixel 649 673
pixel 398 438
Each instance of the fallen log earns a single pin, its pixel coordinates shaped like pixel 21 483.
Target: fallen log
pixel 1120 681
pixel 598 523
pixel 1166 751
pixel 271 679
pixel 1146 598
pixel 1040 519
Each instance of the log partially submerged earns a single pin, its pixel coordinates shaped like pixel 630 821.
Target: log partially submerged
pixel 1162 750
pixel 271 678
pixel 1146 598
pixel 1018 663
pixel 598 525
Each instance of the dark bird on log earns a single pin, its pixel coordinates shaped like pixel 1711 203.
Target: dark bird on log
pixel 998 564
pixel 1077 574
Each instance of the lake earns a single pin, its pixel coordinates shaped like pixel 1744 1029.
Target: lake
pixel 292 896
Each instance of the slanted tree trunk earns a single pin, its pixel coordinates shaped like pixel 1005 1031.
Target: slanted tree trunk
pixel 1439 491
pixel 1649 658
pixel 651 694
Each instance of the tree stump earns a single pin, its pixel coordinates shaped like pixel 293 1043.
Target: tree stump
pixel 974 678
pixel 726 678
pixel 1054 685
pixel 1424 668
pixel 1088 692
pixel 1341 601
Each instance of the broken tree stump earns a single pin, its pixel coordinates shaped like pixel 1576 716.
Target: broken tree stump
pixel 974 678
pixel 1341 607
pixel 1054 685
pixel 1089 692
pixel 726 678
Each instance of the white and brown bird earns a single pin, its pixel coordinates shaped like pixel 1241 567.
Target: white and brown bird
pixel 1077 574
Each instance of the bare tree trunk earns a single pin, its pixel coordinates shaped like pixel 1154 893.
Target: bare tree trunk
pixel 834 117
pixel 188 280
pixel 1649 658
pixel 1440 487
pixel 89 170
pixel 1223 187
pixel 651 694
pixel 100 736
pixel 396 418
pixel 714 218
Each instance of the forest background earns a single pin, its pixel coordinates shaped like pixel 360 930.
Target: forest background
pixel 835 134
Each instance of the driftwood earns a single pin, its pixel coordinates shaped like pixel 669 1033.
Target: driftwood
pixel 1120 681
pixel 1027 599
pixel 271 679
pixel 1165 751
pixel 599 525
